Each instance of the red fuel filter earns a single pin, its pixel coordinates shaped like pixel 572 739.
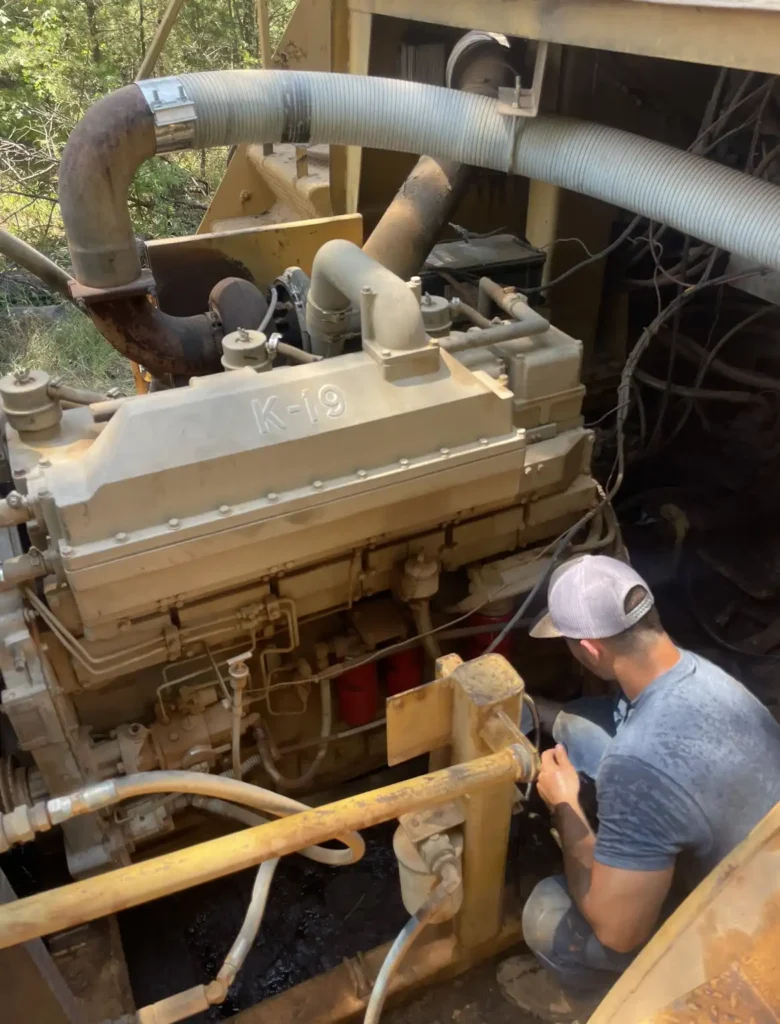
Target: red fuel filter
pixel 403 671
pixel 494 618
pixel 358 695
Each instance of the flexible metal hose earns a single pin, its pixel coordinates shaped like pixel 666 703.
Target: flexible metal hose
pixel 717 204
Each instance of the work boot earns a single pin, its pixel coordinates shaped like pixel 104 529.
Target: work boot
pixel 525 983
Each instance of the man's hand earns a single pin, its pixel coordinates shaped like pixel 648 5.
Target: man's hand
pixel 558 781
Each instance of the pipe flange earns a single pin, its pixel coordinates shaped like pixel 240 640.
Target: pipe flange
pixel 173 111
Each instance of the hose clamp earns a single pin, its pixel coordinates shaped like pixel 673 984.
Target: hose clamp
pixel 174 113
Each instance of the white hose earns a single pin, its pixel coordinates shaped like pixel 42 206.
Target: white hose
pixel 717 204
pixel 105 794
pixel 450 879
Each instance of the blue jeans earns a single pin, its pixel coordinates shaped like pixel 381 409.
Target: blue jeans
pixel 553 928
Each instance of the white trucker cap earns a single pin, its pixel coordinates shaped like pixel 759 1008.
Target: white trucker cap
pixel 586 599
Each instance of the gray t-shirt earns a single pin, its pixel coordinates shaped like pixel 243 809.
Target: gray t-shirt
pixel 691 770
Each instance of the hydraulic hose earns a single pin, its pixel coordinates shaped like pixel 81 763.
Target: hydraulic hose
pixel 112 791
pixel 450 879
pixel 198 999
pixel 716 204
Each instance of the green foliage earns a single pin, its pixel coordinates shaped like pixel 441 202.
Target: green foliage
pixel 71 348
pixel 58 56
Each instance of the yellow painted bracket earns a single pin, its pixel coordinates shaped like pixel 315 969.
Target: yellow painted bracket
pixel 424 719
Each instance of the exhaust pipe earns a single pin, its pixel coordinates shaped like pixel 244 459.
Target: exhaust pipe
pixel 719 205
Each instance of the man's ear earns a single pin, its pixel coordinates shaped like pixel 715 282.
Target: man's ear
pixel 593 649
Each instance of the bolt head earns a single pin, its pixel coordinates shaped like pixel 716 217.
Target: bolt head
pixel 273 496
pixel 386 353
pixel 44 463
pixel 318 484
pixel 174 524
pixel 444 451
pixel 121 537
pixel 65 550
pixel 404 462
pixel 362 473
pixel 483 440
pixel 528 470
pixel 224 510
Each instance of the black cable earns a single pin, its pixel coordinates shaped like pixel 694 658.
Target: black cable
pixel 711 633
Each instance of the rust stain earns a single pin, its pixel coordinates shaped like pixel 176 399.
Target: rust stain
pixel 743 985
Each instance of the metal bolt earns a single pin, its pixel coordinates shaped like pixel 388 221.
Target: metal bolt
pixel 362 473
pixel 15 500
pixel 483 440
pixel 503 380
pixel 65 550
pixel 43 493
pixel 272 496
pixel 366 290
pixel 44 463
pixel 318 484
pixel 245 195
pixel 173 736
pixel 243 336
pixel 528 470
pixel 404 462
pixel 56 383
pixel 174 524
pixel 539 468
pixel 444 451
pixel 386 353
pixel 121 537
pixel 22 376
pixel 427 300
pixel 224 510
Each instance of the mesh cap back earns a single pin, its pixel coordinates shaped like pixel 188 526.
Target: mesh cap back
pixel 586 599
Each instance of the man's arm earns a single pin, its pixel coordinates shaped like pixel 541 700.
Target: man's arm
pixel 621 906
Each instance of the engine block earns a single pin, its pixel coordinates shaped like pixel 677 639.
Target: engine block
pixel 303 518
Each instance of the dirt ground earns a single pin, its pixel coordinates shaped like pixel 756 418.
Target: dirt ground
pixel 474 998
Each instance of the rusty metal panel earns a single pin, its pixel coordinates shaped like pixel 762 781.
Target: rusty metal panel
pixel 186 269
pixel 715 959
pixel 747 38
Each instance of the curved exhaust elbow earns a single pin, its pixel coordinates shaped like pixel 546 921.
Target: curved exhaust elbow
pixel 344 277
pixel 99 162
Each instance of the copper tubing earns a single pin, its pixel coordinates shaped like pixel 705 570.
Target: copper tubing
pixel 72 905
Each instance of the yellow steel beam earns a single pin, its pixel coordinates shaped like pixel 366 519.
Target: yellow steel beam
pixel 72 905
pixel 745 38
